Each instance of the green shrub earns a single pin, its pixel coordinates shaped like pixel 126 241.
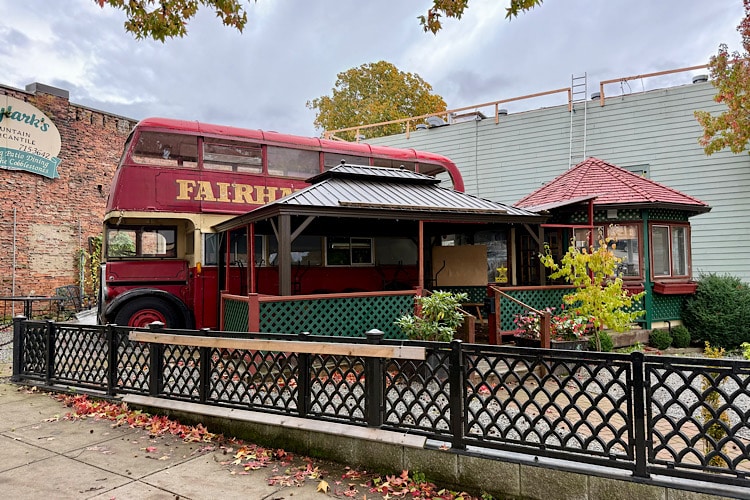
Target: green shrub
pixel 718 312
pixel 604 339
pixel 680 336
pixel 660 338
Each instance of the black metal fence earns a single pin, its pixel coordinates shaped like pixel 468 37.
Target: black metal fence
pixel 676 416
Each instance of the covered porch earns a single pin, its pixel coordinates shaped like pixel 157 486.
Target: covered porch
pixel 360 243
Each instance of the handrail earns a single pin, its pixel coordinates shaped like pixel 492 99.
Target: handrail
pixel 331 134
pixel 645 75
pixel 330 348
pixel 544 328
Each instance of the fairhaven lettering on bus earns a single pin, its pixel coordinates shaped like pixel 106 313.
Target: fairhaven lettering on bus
pixel 225 192
pixel 29 141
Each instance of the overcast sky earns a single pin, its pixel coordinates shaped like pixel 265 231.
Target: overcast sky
pixel 292 50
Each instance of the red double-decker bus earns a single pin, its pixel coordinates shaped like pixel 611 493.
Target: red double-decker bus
pixel 177 179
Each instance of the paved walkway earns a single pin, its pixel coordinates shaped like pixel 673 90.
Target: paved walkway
pixel 43 455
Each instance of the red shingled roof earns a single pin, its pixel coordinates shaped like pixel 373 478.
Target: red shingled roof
pixel 609 185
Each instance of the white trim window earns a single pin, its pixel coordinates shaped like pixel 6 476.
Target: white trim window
pixel 669 250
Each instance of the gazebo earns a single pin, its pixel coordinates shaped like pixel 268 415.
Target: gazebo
pixel 361 233
pixel 648 221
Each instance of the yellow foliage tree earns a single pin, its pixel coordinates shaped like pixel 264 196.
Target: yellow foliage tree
pixel 373 93
pixel 599 293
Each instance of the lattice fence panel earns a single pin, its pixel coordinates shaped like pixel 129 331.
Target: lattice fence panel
pixel 538 299
pixel 667 307
pixel 81 355
pixel 698 415
pixel 34 350
pixel 417 394
pixel 338 387
pixel 339 317
pixel 256 380
pixel 562 403
pixel 181 372
pixel 133 363
pixel 662 214
pixel 235 315
pixel 476 293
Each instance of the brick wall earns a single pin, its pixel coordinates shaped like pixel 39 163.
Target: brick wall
pixel 55 217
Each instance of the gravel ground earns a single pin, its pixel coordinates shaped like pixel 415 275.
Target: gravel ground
pixel 6 345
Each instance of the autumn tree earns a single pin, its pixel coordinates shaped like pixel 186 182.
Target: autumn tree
pixel 374 93
pixel 730 74
pixel 455 9
pixel 162 19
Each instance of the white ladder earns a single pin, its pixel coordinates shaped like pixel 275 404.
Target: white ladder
pixel 578 108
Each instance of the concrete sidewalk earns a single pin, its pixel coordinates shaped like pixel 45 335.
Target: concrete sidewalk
pixel 46 456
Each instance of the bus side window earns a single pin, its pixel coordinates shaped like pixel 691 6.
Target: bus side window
pixel 210 249
pixel 230 156
pixel 166 150
pixel 288 162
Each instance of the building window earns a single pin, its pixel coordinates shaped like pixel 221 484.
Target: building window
pixel 345 251
pixel 670 250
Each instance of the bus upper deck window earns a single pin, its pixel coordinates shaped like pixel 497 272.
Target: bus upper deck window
pixel 237 156
pixel 288 162
pixel 166 150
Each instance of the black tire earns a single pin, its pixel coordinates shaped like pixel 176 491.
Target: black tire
pixel 141 311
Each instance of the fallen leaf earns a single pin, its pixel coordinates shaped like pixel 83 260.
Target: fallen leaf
pixel 323 487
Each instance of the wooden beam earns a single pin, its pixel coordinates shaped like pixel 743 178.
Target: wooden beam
pixel 302 227
pixel 334 348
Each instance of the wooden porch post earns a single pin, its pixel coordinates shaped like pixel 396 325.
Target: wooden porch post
pixel 544 333
pixel 253 313
pixel 421 254
pixel 285 255
pixel 542 273
pixel 251 258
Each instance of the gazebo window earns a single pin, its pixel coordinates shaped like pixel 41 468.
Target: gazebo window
pixel 345 251
pixel 626 242
pixel 669 244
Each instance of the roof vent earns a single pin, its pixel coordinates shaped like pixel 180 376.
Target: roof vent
pixel 435 121
pixel 700 78
pixel 595 96
pixel 502 111
pixel 422 126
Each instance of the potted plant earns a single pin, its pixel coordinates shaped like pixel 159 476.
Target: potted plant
pixel 437 318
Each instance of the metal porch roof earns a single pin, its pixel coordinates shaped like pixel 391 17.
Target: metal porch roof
pixel 352 191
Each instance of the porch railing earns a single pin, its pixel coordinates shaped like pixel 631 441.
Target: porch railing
pixel 342 314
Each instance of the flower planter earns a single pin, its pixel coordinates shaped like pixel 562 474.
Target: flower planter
pixel 665 288
pixel 571 345
pixel 527 342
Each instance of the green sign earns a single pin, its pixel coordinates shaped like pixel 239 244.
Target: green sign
pixel 13 159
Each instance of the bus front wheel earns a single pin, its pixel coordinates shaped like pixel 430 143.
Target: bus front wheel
pixel 145 310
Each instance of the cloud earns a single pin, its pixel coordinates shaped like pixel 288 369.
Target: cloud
pixel 291 52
